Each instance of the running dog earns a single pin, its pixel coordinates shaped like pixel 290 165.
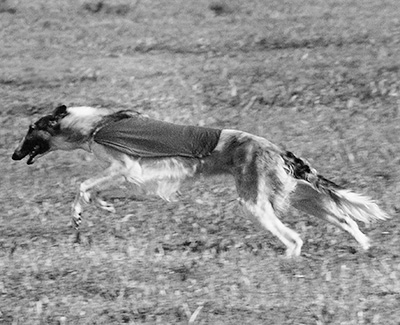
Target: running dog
pixel 157 156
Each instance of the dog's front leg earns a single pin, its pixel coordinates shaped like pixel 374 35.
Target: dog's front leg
pixel 76 219
pixel 86 196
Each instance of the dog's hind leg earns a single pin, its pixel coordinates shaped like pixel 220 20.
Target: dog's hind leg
pixel 308 200
pixel 264 187
pixel 265 214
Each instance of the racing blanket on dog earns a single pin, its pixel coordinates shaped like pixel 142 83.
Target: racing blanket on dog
pixel 145 137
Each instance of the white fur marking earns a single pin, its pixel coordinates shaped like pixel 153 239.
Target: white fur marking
pixel 360 207
pixel 82 119
pixel 83 111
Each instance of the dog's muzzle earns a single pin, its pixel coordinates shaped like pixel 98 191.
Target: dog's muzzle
pixel 19 154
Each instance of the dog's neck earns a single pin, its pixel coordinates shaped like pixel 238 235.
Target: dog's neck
pixel 83 120
pixel 77 127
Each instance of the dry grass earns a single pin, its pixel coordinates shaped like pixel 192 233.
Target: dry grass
pixel 321 78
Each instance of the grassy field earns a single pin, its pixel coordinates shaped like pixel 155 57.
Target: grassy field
pixel 321 78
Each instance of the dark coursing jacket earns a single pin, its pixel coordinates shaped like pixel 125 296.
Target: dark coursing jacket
pixel 144 137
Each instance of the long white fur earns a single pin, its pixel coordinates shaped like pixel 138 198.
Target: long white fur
pixel 83 118
pixel 360 207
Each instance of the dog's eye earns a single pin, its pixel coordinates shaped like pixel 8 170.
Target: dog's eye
pixel 53 123
pixel 31 127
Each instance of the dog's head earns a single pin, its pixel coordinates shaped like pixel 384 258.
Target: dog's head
pixel 37 141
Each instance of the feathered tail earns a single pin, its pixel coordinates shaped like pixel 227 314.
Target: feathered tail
pixel 358 206
pixel 317 195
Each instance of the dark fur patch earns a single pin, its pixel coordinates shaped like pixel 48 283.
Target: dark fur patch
pixel 60 112
pixel 49 124
pixel 37 139
pixel 36 142
pixel 323 182
pixel 298 168
pixel 301 170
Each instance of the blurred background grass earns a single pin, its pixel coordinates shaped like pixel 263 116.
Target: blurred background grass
pixel 318 77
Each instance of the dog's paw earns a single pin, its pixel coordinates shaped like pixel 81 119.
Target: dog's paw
pixel 86 196
pixel 76 220
pixel 366 244
pixel 106 206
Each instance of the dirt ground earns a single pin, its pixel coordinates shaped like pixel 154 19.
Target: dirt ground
pixel 321 78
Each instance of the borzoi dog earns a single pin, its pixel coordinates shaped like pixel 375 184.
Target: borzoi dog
pixel 157 156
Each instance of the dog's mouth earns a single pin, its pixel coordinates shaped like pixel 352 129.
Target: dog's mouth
pixel 33 155
pixel 35 143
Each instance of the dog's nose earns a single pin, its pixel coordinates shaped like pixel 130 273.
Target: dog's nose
pixel 16 156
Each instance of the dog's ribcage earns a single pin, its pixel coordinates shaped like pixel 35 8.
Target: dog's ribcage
pixel 161 177
pixel 154 176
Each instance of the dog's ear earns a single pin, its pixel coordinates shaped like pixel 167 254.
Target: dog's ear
pixel 51 123
pixel 60 112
